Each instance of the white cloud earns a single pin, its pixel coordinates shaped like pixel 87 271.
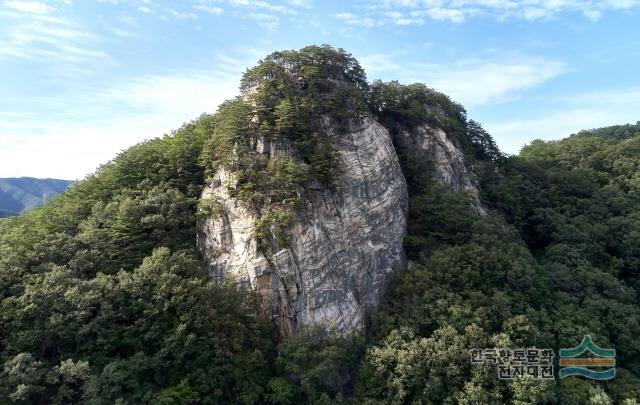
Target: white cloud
pixel 266 13
pixel 94 124
pixel 182 16
pixel 36 7
pixel 111 121
pixel 605 98
pixel 66 151
pixel 40 37
pixel 300 3
pixel 345 16
pixel 209 9
pixel 621 4
pixel 352 19
pixel 584 111
pixel 262 5
pixel 253 9
pixel 535 13
pixel 408 21
pixel 479 82
pixel 593 15
pixel 511 136
pixel 377 65
pixel 123 33
pixel 264 20
pixel 458 11
pixel 443 14
pixel 470 81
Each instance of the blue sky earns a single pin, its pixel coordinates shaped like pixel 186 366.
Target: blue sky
pixel 84 79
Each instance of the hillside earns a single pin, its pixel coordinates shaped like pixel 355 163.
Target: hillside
pixel 22 194
pixel 362 238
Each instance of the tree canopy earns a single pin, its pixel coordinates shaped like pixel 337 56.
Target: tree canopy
pixel 103 298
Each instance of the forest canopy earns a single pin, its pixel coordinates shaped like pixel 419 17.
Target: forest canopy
pixel 103 298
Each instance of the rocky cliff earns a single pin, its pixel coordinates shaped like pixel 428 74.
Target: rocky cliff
pixel 450 163
pixel 346 235
pixel 346 241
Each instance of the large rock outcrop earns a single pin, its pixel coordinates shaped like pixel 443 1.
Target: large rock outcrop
pixel 346 241
pixel 451 168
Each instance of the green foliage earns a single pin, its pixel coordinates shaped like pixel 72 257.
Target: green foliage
pixel 287 99
pixel 104 301
pixel 224 133
pixel 475 283
pixel 314 63
pixel 416 104
pixel 134 335
pixel 209 207
pixel 487 291
pixel 408 369
pixel 318 365
pixel 272 230
pixel 103 298
pixel 405 107
pixel 485 148
pixel 272 189
pixel 574 204
pixel 436 215
pixel 181 394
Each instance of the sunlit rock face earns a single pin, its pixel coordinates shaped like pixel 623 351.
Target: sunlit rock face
pixel 346 241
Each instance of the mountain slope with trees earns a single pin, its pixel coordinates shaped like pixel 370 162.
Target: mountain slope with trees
pixel 103 298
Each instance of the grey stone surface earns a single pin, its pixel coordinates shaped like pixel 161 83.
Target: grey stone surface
pixel 450 166
pixel 346 241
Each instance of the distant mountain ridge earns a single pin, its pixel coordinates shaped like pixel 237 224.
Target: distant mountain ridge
pixel 21 194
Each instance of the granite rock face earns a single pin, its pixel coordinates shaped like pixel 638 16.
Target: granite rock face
pixel 346 241
pixel 451 168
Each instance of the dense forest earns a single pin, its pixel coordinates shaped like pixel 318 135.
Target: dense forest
pixel 103 298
